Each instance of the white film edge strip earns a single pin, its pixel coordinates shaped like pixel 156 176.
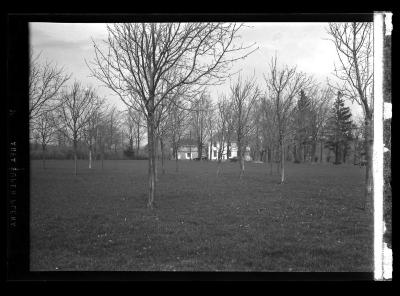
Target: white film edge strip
pixel 382 255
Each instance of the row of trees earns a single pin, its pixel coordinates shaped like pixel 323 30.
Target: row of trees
pixel 162 71
pixel 75 115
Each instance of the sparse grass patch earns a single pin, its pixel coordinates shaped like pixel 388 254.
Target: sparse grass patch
pixel 98 220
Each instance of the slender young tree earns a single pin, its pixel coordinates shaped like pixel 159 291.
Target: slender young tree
pixel 146 63
pixel 90 131
pixel 102 132
pixel 283 85
pixel 270 130
pixel 354 47
pixel 163 128
pixel 128 125
pixel 114 124
pixel 210 125
pixel 256 141
pixel 222 134
pixel 320 100
pixel 245 94
pixel 178 122
pixel 77 107
pixel 201 114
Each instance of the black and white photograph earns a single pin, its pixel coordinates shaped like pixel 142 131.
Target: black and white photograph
pixel 251 146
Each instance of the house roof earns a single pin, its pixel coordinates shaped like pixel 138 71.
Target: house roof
pixel 187 149
pixel 188 142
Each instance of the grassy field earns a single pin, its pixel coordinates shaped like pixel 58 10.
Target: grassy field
pixel 98 220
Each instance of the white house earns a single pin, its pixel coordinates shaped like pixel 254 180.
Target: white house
pixel 188 150
pixel 214 147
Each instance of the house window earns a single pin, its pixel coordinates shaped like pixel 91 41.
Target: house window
pixel 215 153
pixel 188 155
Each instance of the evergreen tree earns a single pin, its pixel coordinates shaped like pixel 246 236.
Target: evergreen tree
pixel 302 127
pixel 339 129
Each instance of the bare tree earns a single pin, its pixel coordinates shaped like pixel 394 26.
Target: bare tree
pixel 90 131
pixel 244 97
pixel 134 128
pixel 270 130
pixel 256 140
pixel 140 129
pixel 45 83
pixel 144 64
pixel 114 122
pixel 320 103
pixel 163 128
pixel 223 122
pixel 178 122
pixel 201 114
pixel 44 127
pixel 101 135
pixel 353 43
pixel 210 125
pixel 283 86
pixel 75 112
pixel 129 125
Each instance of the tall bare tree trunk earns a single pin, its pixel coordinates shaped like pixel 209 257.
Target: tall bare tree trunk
pixel 44 156
pixel 199 148
pixel 152 160
pixel 241 159
pixel 241 166
pixel 90 158
pixel 282 160
pixel 75 156
pixel 368 172
pixel 321 147
pixel 176 160
pixel 218 166
pixel 156 158
pixel 137 140
pixel 162 156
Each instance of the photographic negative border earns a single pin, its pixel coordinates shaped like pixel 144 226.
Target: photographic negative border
pixel 18 148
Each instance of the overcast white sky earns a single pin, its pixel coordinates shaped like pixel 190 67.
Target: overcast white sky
pixel 301 44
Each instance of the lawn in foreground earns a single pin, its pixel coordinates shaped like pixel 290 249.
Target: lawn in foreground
pixel 98 220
